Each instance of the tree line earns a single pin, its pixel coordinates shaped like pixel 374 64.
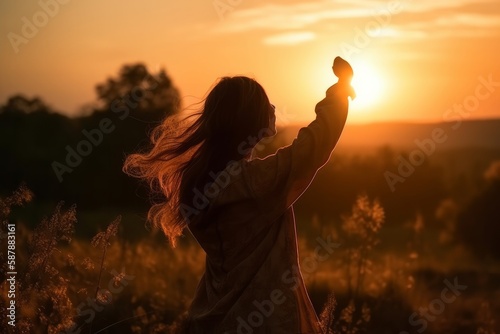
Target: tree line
pixel 79 160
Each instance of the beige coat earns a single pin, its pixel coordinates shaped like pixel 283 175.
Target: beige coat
pixel 251 283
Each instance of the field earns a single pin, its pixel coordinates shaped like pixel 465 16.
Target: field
pixel 386 272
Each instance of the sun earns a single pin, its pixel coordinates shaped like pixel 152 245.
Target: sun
pixel 369 86
pixel 369 83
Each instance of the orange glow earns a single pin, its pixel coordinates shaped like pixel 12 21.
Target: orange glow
pixel 370 87
pixel 369 84
pixel 412 68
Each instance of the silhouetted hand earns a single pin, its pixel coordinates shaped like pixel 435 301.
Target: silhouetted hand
pixel 342 90
pixel 343 70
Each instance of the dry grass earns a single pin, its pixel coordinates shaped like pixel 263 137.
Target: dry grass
pixel 106 285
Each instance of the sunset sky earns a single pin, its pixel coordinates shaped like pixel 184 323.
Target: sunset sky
pixel 413 60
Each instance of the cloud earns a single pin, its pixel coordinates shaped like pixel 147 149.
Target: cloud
pixel 283 17
pixel 292 38
pixel 471 20
pixel 455 24
pixel 414 19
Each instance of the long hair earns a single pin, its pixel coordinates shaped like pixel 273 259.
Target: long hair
pixel 185 152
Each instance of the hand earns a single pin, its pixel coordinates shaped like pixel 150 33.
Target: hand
pixel 343 70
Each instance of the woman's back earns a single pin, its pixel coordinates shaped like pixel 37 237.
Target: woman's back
pixel 252 282
pixel 242 216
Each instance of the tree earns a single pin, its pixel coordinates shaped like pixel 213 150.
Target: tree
pixel 33 137
pixel 135 88
pixel 21 104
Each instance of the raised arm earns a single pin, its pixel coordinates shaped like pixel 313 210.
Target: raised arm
pixel 280 179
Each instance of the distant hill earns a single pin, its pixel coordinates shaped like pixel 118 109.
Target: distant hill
pixel 468 134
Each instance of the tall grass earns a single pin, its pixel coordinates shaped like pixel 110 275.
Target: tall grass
pixel 359 235
pixel 108 285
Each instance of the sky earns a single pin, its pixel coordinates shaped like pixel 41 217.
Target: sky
pixel 419 61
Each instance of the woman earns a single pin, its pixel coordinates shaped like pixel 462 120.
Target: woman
pixel 239 209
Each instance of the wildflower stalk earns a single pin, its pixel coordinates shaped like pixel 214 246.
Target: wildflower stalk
pixel 105 248
pixel 360 229
pixel 102 239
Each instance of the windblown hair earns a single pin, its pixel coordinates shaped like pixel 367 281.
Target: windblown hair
pixel 185 151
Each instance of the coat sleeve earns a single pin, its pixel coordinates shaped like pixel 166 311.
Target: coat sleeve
pixel 278 180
